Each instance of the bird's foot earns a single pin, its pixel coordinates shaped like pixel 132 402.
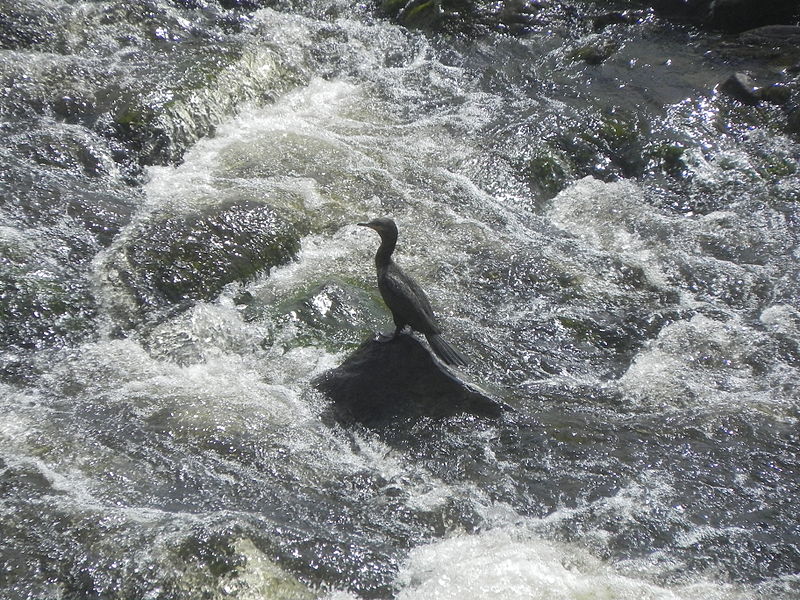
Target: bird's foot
pixel 388 337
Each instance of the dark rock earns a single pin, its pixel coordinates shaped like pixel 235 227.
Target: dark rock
pixel 793 119
pixel 382 381
pixel 474 17
pixel 730 15
pixel 741 87
pixel 787 36
pixel 776 93
pixel 546 174
pixel 611 18
pixel 736 15
pixel 779 45
pixel 182 259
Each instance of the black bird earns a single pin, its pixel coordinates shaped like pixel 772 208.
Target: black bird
pixel 406 300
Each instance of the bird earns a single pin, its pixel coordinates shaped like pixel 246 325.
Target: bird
pixel 405 298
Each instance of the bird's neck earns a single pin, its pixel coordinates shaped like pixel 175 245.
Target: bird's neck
pixel 384 255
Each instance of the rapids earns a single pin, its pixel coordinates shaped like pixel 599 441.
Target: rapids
pixel 614 246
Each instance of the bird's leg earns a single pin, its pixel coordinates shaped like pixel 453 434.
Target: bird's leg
pixel 388 337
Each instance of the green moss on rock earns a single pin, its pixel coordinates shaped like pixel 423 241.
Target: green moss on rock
pixel 182 259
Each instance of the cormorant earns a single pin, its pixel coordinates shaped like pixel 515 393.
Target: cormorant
pixel 406 300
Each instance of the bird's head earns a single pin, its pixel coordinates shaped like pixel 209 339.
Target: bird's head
pixel 385 227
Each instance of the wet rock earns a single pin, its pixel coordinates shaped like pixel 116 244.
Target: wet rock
pixel 382 381
pixel 546 174
pixel 741 87
pixel 779 39
pixel 730 15
pixel 176 261
pixel 600 22
pixel 179 77
pixel 470 16
pixel 200 90
pixel 595 53
pixel 777 45
pixel 777 93
pixel 733 15
pixel 793 120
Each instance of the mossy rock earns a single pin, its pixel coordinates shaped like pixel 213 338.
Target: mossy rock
pixel 547 174
pixel 178 260
pixel 669 158
pixel 607 147
pixel 595 53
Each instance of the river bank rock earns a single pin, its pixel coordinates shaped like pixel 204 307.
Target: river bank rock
pixel 174 261
pixel 730 15
pixel 379 382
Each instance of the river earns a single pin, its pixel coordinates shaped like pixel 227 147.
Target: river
pixel 610 240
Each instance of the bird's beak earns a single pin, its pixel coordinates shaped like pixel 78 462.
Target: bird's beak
pixel 365 225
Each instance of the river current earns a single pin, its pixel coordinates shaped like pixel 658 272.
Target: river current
pixel 614 246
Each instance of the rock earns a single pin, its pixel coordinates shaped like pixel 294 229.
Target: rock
pixel 600 22
pixel 737 15
pixel 776 93
pixel 730 15
pixel 595 53
pixel 741 87
pixel 778 45
pixel 546 174
pixel 176 261
pixel 401 378
pixel 779 36
pixel 793 119
pixel 472 17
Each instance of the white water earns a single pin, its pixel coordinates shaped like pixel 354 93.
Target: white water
pixel 207 422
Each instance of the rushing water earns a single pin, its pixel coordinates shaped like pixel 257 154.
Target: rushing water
pixel 614 246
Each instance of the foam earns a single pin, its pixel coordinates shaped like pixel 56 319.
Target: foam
pixel 509 563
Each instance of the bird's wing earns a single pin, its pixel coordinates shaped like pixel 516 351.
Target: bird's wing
pixel 407 300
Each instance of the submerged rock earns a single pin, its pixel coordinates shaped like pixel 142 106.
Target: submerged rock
pixel 595 53
pixel 401 378
pixel 330 314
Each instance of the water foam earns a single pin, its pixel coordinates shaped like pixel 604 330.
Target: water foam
pixel 509 563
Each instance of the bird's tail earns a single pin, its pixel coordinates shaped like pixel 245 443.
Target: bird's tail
pixel 445 351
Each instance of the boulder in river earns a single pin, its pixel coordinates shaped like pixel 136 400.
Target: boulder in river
pixel 175 261
pixel 741 87
pixel 381 381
